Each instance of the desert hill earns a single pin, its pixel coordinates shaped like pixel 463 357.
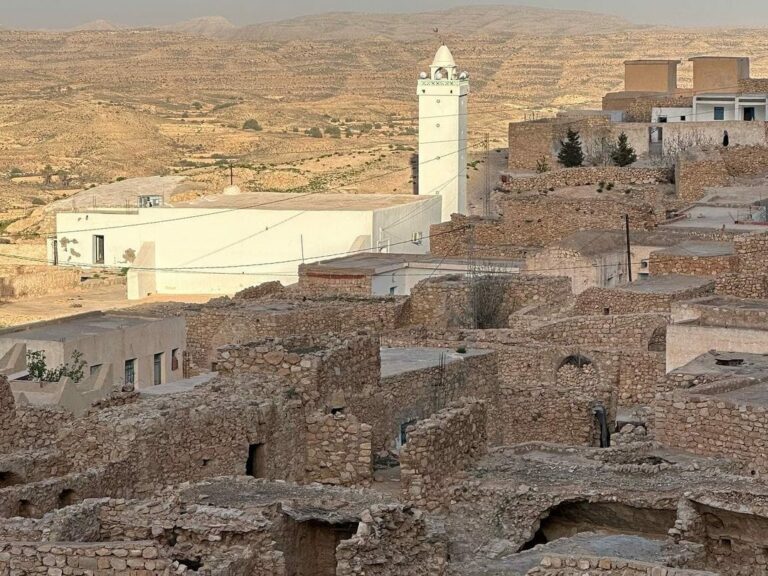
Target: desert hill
pixel 491 21
pixel 207 26
pixel 95 25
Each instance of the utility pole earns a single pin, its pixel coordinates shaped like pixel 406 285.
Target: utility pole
pixel 487 199
pixel 231 174
pixel 471 264
pixel 629 248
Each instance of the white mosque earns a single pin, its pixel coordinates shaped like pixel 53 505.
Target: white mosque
pixel 443 94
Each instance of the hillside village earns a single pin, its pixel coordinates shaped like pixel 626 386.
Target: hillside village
pixel 560 371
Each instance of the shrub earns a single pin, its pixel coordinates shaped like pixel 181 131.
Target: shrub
pixel 571 154
pixel 333 131
pixel 542 165
pixel 315 132
pixel 252 124
pixel 624 154
pixel 39 371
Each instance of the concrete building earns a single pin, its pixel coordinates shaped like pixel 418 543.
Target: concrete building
pixel 388 274
pixel 651 76
pixel 225 243
pixel 443 95
pixel 116 349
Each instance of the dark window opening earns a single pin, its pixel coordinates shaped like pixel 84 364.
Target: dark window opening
pixel 662 119
pixel 175 359
pixel 404 431
pixel 94 369
pixel 575 360
pixel 729 361
pixel 310 547
pixel 67 498
pixel 193 564
pixel 257 461
pixel 719 113
pixel 10 479
pixel 682 118
pixel 98 249
pixel 749 114
pixel 337 411
pixel 130 371
pixel 658 341
pixel 606 311
pixel 157 369
pixel 206 461
pixel 26 509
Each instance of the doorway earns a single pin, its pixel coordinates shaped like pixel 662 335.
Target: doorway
pixel 98 249
pixel 157 369
pixel 749 114
pixel 257 461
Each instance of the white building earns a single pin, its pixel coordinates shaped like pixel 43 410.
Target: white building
pixel 443 95
pixel 222 244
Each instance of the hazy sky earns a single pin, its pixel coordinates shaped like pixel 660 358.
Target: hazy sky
pixel 68 13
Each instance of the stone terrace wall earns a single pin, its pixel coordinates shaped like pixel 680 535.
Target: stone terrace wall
pixel 446 301
pixel 742 286
pixel 317 282
pixel 696 421
pixel 595 301
pixel 392 541
pixel 537 221
pixel 696 170
pixel 751 278
pixel 586 176
pixel 29 281
pixel 746 160
pixel 616 331
pixel 661 264
pixel 338 450
pixel 437 448
pixel 640 373
pixel 104 558
pixel 33 428
pixel 561 565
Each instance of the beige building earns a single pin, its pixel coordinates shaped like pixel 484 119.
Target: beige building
pixel 651 76
pixel 116 350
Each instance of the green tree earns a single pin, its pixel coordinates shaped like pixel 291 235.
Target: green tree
pixel 48 173
pixel 315 132
pixel 571 154
pixel 624 154
pixel 39 371
pixel 252 124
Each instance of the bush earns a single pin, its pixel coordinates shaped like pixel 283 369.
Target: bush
pixel 16 172
pixel 542 165
pixel 39 371
pixel 571 154
pixel 252 125
pixel 624 154
pixel 315 132
pixel 333 131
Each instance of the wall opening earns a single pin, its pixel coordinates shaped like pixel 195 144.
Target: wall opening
pixel 575 360
pixel 571 518
pixel 310 547
pixel 257 461
pixel 191 563
pixel 26 509
pixel 10 479
pixel 67 497
pixel 658 341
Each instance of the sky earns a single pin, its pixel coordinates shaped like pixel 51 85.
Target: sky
pixel 60 14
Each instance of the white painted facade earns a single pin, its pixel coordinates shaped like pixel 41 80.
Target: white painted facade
pixel 443 96
pixel 223 244
pixel 725 107
pixel 671 115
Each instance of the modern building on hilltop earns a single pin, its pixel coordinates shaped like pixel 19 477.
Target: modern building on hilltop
pixel 443 95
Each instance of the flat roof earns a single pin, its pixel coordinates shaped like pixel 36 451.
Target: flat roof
pixel 369 262
pixel 396 361
pixel 691 59
pixel 701 249
pixel 67 328
pixel 755 395
pixel 666 284
pixel 751 364
pixel 732 303
pixel 591 242
pixel 653 61
pixel 290 201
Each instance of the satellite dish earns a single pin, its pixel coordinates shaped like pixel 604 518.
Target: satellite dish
pixel 463 76
pixel 439 76
pixel 423 76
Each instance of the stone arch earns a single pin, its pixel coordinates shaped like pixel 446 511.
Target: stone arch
pixel 67 497
pixel 658 340
pixel 8 478
pixel 577 359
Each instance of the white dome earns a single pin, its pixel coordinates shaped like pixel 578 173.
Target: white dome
pixel 231 191
pixel 444 58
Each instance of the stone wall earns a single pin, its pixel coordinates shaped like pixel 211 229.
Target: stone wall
pixel 447 301
pixel 338 450
pixel 105 558
pixel 750 280
pixel 640 373
pixel 438 448
pixel 697 421
pixel 317 282
pixel 663 264
pixel 30 281
pixel 641 109
pixel 562 565
pixel 586 176
pixel 537 221
pixel 34 427
pixel 696 170
pixel 596 301
pixel 392 541
pixel 745 160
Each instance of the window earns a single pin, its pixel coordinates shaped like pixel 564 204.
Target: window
pixel 749 114
pixel 95 369
pixel 719 113
pixel 150 201
pixel 682 118
pixel 157 369
pixel 130 371
pixel 392 290
pixel 175 359
pixel 663 119
pixel 257 461
pixel 98 249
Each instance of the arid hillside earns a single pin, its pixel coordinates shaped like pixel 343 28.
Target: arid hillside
pixel 89 107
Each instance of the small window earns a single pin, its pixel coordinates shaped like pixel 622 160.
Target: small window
pixel 98 249
pixel 130 371
pixel 662 119
pixel 719 113
pixel 682 118
pixel 392 290
pixel 95 369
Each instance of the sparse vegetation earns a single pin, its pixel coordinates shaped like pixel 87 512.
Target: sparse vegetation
pixel 252 124
pixel 571 154
pixel 542 165
pixel 39 371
